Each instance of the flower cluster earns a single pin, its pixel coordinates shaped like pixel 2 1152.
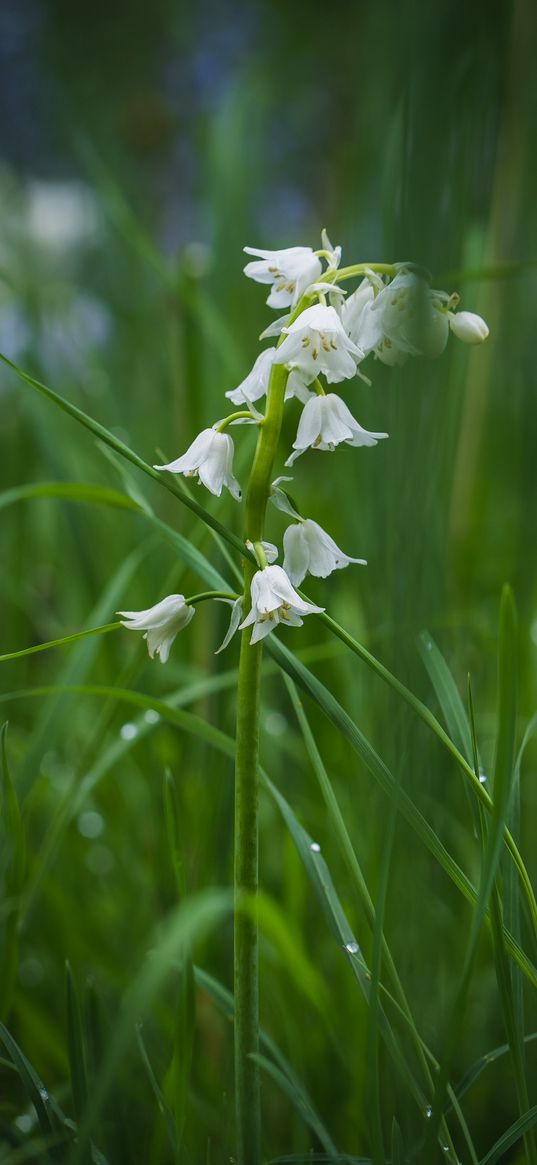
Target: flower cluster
pixel 326 335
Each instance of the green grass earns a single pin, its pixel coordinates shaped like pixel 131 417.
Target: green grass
pixel 398 806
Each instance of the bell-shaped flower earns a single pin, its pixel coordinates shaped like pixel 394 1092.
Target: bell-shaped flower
pixel 317 342
pixel 326 422
pixel 404 319
pixel 161 623
pixel 352 309
pixel 291 271
pixel 210 458
pixel 468 326
pixel 274 600
pixel 256 383
pixel 310 550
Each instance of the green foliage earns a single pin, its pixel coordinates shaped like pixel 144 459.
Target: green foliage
pixel 397 856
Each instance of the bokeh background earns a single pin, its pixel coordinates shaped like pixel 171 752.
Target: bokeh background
pixel 143 146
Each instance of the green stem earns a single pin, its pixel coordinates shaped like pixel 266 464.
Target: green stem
pixel 202 596
pixel 247 1083
pixel 243 414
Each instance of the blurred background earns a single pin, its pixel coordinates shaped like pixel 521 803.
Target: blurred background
pixel 142 148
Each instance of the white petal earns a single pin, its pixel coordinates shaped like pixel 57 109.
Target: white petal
pixel 310 424
pixel 195 453
pixel 297 555
pixel 324 554
pixel 263 627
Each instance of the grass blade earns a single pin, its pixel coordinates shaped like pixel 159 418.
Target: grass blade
pixel 75 1047
pixel 511 1136
pixel 14 844
pixel 124 451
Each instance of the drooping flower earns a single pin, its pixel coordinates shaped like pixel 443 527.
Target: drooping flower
pixel 468 326
pixel 256 383
pixel 310 550
pixel 317 342
pixel 352 308
pixel 274 600
pixel 161 623
pixel 405 318
pixel 326 422
pixel 290 271
pixel 210 458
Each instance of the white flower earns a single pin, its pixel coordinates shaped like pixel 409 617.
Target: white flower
pixel 290 271
pixel 352 309
pixel 317 342
pixel 256 383
pixel 310 550
pixel 468 326
pixel 161 623
pixel 210 457
pixel 275 601
pixel 326 422
pixel 404 319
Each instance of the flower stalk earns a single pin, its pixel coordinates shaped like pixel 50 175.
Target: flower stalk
pixel 246 952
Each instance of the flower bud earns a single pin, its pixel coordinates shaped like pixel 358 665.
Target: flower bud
pixel 468 327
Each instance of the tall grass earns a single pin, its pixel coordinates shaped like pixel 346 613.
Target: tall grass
pixel 398 948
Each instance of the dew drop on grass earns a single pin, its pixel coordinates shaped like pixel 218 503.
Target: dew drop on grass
pixel 315 847
pixel 352 947
pixel 429 1111
pixel 482 777
pixel 90 823
pixel 24 1123
pixel 43 1093
pixel 128 731
pixel 151 717
pixel 275 723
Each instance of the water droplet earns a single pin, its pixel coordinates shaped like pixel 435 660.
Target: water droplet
pixel 482 777
pixel 151 717
pixel 352 947
pixel 24 1122
pixel 128 731
pixel 43 1093
pixel 275 724
pixel 90 823
pixel 429 1111
pixel 315 847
